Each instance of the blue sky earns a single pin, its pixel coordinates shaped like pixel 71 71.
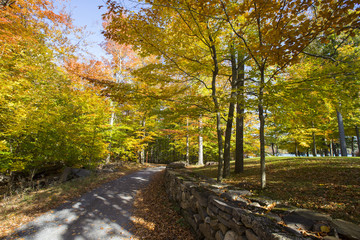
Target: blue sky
pixel 87 13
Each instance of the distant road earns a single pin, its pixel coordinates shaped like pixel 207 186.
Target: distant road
pixel 104 213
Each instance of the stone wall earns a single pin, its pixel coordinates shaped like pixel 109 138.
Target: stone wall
pixel 216 211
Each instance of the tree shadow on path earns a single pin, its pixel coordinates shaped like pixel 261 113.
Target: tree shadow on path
pixel 104 213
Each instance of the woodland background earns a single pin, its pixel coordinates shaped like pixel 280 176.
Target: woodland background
pixel 179 73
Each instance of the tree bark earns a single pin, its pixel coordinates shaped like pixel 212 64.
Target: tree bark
pixel 262 127
pixel 331 148
pixel 272 149
pixel 326 149
pixel 201 152
pixel 214 96
pixel 296 148
pixel 220 146
pixel 142 153
pixel 314 153
pixel 227 142
pixel 230 118
pixel 336 152
pixel 187 141
pixel 358 138
pixel 341 134
pixel 239 153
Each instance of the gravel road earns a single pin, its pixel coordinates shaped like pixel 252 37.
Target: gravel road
pixel 104 213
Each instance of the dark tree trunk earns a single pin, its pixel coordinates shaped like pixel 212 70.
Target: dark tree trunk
pixel 336 152
pixel 227 142
pixel 341 134
pixel 220 146
pixel 262 127
pixel 314 145
pixel 296 149
pixel 352 146
pixel 230 118
pixel 272 148
pixel 325 149
pixel 240 102
pixel 187 157
pixel 326 152
pixel 358 138
pixel 214 96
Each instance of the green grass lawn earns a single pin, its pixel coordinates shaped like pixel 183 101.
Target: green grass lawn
pixel 324 184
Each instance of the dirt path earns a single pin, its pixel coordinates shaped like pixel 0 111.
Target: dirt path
pixel 104 213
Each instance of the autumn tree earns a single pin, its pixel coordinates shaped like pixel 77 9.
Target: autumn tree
pixel 200 65
pixel 48 117
pixel 205 43
pixel 275 33
pixel 323 79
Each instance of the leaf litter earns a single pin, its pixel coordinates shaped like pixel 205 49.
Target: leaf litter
pixel 155 217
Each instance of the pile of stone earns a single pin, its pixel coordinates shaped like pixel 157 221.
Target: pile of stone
pixel 215 211
pixel 177 165
pixel 72 173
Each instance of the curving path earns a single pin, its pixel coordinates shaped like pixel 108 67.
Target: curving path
pixel 104 213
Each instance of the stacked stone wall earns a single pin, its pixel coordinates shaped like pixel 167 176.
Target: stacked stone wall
pixel 216 212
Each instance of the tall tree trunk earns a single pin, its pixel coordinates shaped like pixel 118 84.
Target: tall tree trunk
pixel 142 153
pixel 358 138
pixel 352 146
pixel 341 134
pixel 272 149
pixel 326 149
pixel 214 96
pixel 314 153
pixel 220 146
pixel 187 141
pixel 227 142
pixel 201 152
pixel 230 118
pixel 296 148
pixel 336 152
pixel 331 148
pixel 239 153
pixel 142 156
pixel 262 127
